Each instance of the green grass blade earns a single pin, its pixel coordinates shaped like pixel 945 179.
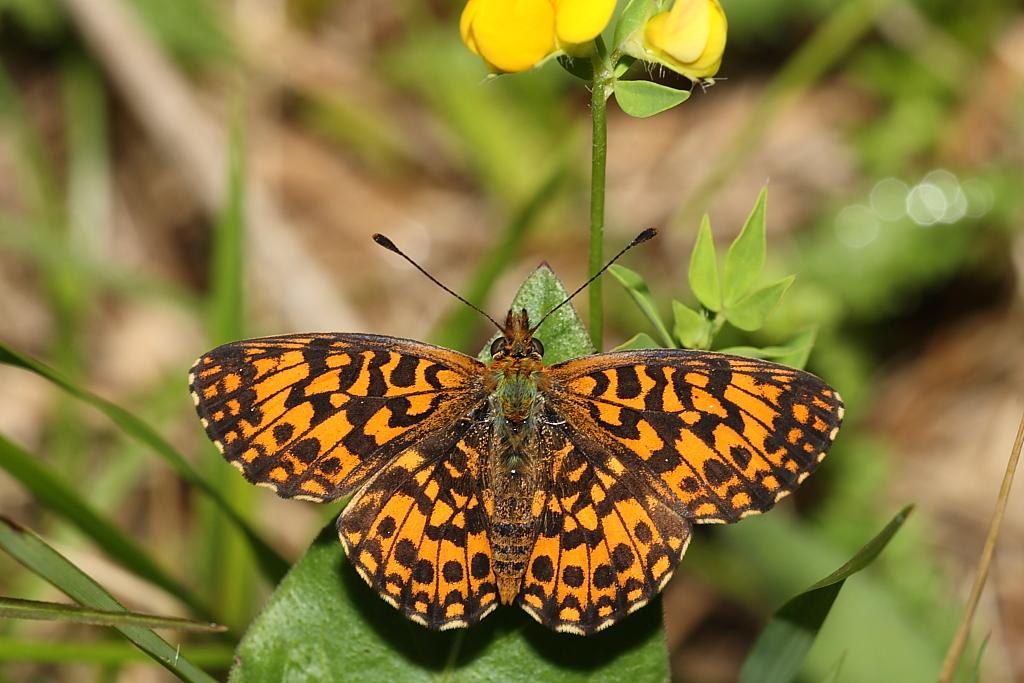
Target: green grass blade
pixel 13 608
pixel 59 497
pixel 40 558
pixel 109 652
pixel 780 650
pixel 273 565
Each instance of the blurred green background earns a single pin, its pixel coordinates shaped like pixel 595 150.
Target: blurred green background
pixel 889 133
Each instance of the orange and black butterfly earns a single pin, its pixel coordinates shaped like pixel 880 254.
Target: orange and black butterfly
pixel 569 489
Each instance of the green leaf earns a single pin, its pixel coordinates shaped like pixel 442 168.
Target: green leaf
pixel 55 494
pixel 563 334
pixel 692 329
pixel 703 273
pixel 745 258
pixel 794 353
pixel 580 67
pixel 270 561
pixel 643 99
pixel 637 288
pixel 779 650
pixel 324 623
pixel 637 342
pixel 13 608
pixel 31 551
pixel 632 19
pixel 750 313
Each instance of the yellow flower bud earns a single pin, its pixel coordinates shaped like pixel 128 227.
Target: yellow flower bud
pixel 689 38
pixel 516 35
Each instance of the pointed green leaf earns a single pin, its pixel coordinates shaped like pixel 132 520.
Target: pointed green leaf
pixel 55 494
pixel 634 15
pixel 703 273
pixel 33 553
pixel 637 342
pixel 643 99
pixel 581 67
pixel 271 563
pixel 13 608
pixel 793 353
pixel 324 623
pixel 745 258
pixel 637 288
pixel 692 329
pixel 563 334
pixel 750 313
pixel 779 651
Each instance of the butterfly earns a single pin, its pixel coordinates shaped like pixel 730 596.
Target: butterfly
pixel 570 489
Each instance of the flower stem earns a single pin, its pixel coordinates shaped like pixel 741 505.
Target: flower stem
pixel 603 75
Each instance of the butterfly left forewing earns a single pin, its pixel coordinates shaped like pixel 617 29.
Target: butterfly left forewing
pixel 719 437
pixel 312 416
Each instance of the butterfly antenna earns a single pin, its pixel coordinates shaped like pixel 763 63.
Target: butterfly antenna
pixel 639 239
pixel 390 246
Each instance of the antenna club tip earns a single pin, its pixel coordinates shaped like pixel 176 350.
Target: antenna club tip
pixel 645 235
pixel 384 242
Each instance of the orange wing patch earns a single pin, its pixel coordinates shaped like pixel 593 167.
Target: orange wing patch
pixel 313 416
pixel 605 547
pixel 417 533
pixel 717 437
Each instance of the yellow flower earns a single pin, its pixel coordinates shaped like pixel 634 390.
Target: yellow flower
pixel 516 35
pixel 689 38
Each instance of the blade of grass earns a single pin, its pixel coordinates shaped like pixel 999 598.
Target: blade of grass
pixel 109 652
pixel 956 648
pixel 225 555
pixel 14 608
pixel 273 565
pixel 779 651
pixel 58 496
pixel 40 558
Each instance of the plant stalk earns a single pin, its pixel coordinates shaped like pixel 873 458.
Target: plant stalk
pixel 603 78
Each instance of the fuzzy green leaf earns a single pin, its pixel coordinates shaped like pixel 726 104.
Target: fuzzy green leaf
pixel 13 608
pixel 637 288
pixel 637 342
pixel 643 99
pixel 779 651
pixel 323 623
pixel 581 68
pixel 33 553
pixel 750 313
pixel 271 563
pixel 563 334
pixel 691 328
pixel 703 274
pixel 297 635
pixel 745 258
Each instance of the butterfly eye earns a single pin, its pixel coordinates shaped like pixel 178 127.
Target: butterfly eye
pixel 538 348
pixel 498 346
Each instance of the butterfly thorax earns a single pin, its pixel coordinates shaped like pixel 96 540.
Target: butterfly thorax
pixel 515 473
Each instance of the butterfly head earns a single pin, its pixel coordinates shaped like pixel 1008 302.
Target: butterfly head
pixel 517 340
